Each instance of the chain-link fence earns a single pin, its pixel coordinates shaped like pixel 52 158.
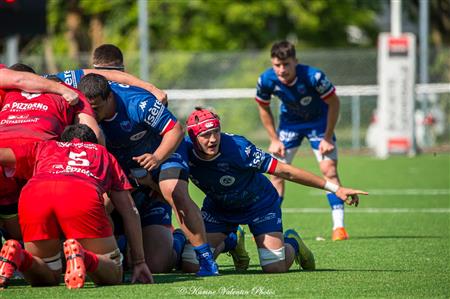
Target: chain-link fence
pixel 224 70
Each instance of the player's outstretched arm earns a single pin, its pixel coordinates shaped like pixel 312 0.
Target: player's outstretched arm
pixel 303 177
pixel 132 224
pixel 125 78
pixel 7 157
pixel 169 143
pixel 30 82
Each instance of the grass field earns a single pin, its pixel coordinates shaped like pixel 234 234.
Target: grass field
pixel 399 242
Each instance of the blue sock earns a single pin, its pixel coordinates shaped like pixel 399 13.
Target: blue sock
pixel 230 242
pixel 179 240
pixel 334 201
pixel 280 199
pixel 293 242
pixel 203 252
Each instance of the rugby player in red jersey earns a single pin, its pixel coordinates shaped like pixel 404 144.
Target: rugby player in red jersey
pixel 63 195
pixel 28 117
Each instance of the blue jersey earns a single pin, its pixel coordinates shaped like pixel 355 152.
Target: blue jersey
pixel 139 124
pixel 302 102
pixel 233 181
pixel 71 77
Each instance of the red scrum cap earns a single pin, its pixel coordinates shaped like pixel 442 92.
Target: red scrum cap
pixel 201 120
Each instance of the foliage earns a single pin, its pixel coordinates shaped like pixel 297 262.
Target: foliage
pixel 219 25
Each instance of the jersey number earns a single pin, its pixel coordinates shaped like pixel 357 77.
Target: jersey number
pixel 76 159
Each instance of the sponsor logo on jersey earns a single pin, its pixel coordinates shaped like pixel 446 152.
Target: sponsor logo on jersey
pixel 125 125
pixel 258 155
pixel 157 211
pixel 143 105
pixel 138 136
pixel 248 150
pixel 323 85
pixel 223 166
pixel 287 136
pixel 24 116
pixel 209 218
pixel 154 113
pixel 26 106
pixel 69 78
pixel 30 96
pixel 227 180
pixel 277 88
pixel 264 218
pixel 305 101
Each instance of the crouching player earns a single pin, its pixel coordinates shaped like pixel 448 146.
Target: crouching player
pixel 64 195
pixel 229 170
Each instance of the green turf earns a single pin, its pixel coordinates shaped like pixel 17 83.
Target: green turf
pixel 398 247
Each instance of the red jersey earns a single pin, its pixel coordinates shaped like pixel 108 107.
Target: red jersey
pixel 37 116
pixel 50 160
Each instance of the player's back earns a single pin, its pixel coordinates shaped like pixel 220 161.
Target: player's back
pixel 38 116
pixel 139 123
pixel 74 161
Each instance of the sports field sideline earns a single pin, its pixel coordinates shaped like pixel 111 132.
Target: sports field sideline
pixel 398 247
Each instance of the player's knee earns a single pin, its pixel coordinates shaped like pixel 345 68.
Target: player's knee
pixel 272 260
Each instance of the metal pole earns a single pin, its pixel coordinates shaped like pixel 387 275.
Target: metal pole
pixel 423 19
pixel 423 61
pixel 143 39
pixel 12 49
pixel 356 122
pixel 396 17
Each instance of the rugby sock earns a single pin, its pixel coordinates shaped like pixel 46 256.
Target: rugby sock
pixel 337 210
pixel 293 243
pixel 280 199
pixel 230 242
pixel 90 261
pixel 179 240
pixel 27 261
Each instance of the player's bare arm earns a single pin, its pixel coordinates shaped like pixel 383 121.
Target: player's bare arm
pixel 303 177
pixel 327 145
pixel 169 144
pixel 132 224
pixel 276 146
pixel 125 78
pixel 30 82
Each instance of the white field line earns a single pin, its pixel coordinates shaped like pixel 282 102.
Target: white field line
pixel 369 210
pixel 397 192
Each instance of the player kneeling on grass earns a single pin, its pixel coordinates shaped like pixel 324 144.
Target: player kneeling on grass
pixel 64 196
pixel 229 170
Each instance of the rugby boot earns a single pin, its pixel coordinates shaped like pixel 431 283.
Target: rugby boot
pixel 75 268
pixel 10 260
pixel 240 256
pixel 304 257
pixel 339 234
pixel 208 266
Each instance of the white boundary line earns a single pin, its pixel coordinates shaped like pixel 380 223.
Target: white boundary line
pixel 398 192
pixel 369 210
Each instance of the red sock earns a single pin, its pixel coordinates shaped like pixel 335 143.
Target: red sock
pixel 90 261
pixel 27 260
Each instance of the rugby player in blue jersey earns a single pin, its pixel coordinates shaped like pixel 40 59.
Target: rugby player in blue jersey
pixel 141 133
pixel 309 108
pixel 229 170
